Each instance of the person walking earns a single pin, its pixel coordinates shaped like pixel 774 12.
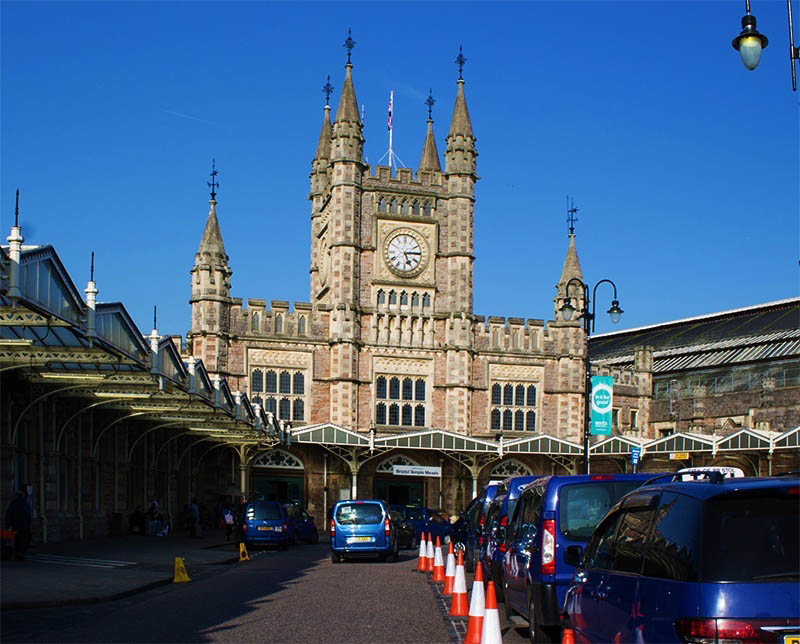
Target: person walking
pixel 18 519
pixel 228 521
pixel 194 514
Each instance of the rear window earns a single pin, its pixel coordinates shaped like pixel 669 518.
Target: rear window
pixel 359 514
pixel 752 538
pixel 583 505
pixel 265 512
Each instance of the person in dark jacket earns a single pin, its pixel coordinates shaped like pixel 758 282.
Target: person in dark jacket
pixel 18 518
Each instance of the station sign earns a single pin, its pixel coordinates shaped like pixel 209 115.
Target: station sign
pixel 679 456
pixel 636 454
pixel 416 470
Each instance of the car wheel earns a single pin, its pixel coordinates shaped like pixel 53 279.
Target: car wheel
pixel 393 557
pixel 335 558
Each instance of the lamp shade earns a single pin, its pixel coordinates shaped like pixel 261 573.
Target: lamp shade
pixel 567 310
pixel 750 42
pixel 615 313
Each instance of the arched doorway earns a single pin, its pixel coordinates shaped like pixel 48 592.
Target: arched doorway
pixel 278 476
pixel 398 490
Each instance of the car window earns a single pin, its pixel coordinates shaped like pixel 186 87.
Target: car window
pixel 529 513
pixel 359 513
pixel 672 551
pixel 583 505
pixel 631 539
pixel 264 512
pixel 601 550
pixel 414 514
pixel 752 537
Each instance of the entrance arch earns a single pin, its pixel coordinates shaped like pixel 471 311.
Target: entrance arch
pixel 398 490
pixel 511 467
pixel 278 476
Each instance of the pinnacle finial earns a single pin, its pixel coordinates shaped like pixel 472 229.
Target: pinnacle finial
pixel 430 103
pixel 91 269
pixel 460 60
pixel 16 211
pixel 349 44
pixel 571 218
pixel 155 309
pixel 327 89
pixel 213 184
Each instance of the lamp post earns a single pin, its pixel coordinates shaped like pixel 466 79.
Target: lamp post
pixel 750 42
pixel 567 312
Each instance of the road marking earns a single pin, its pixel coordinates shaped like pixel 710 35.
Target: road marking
pixel 68 560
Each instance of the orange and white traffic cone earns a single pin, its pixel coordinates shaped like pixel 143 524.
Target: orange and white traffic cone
pixel 423 553
pixel 458 603
pixel 438 562
pixel 429 555
pixel 490 633
pixel 476 609
pixel 449 571
pixel 567 636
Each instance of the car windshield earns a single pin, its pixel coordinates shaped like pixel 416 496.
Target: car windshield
pixel 264 512
pixel 414 514
pixel 752 538
pixel 359 514
pixel 583 505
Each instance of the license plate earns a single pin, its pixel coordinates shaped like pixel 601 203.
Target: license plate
pixel 794 638
pixel 358 539
pixel 265 527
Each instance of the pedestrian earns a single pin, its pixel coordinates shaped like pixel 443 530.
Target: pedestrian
pixel 18 519
pixel 238 517
pixel 227 521
pixel 194 514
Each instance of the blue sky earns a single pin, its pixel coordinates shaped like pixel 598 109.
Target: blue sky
pixel 684 165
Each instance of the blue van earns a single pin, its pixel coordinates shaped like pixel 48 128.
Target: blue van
pixel 266 523
pixel 474 518
pixel 692 561
pixel 553 513
pixel 500 512
pixel 362 528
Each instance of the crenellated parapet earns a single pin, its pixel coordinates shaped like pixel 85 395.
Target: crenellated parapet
pixel 277 321
pixel 511 335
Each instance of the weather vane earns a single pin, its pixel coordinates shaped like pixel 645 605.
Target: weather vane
pixel 460 62
pixel 16 211
pixel 430 103
pixel 348 45
pixel 571 218
pixel 213 183
pixel 91 269
pixel 328 90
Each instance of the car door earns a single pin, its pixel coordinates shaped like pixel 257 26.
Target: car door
pixel 520 551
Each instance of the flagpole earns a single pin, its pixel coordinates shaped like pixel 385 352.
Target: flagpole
pixel 391 109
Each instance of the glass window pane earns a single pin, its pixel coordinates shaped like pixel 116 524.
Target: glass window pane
pixel 278 324
pixel 301 326
pixel 257 380
pixel 394 414
pixel 403 298
pixel 394 389
pixel 519 420
pixel 270 405
pixel 426 301
pixel 299 383
pixel 415 299
pixel 530 421
pixel 380 387
pixel 408 389
pixel 271 382
pixel 286 383
pixel 495 419
pixel 519 395
pixel 631 537
pixel 672 552
pixel 508 395
pixel 406 414
pixel 531 396
pixel 419 416
pixel 380 414
pixel 381 297
pixel 283 411
pixel 392 297
pixel 497 395
pixel 420 386
pixel 507 419
pixel 297 409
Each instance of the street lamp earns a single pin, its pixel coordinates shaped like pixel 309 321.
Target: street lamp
pixel 750 42
pixel 567 312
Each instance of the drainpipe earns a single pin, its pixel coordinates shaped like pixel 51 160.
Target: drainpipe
pixel 80 478
pixel 325 487
pixel 441 467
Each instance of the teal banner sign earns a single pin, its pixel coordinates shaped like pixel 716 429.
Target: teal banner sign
pixel 602 400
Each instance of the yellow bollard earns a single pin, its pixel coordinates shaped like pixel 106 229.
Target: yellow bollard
pixel 243 556
pixel 180 571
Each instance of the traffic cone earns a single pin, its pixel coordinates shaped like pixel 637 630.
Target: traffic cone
pixel 180 572
pixel 423 553
pixel 438 562
pixel 243 556
pixel 458 603
pixel 476 609
pixel 449 571
pixel 567 636
pixel 490 633
pixel 429 554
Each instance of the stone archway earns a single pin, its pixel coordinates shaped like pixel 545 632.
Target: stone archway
pixel 394 489
pixel 278 475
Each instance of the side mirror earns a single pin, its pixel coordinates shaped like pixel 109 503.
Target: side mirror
pixel 573 555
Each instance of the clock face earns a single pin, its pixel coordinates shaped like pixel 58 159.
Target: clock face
pixel 404 253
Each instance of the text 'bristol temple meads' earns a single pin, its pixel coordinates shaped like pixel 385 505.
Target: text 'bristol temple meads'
pixel 389 345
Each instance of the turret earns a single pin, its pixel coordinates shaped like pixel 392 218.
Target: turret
pixel 430 154
pixel 570 271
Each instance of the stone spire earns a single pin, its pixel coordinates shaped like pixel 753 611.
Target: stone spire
pixel 430 154
pixel 348 105
pixel 323 152
pixel 460 155
pixel 211 250
pixel 570 270
pixel 460 123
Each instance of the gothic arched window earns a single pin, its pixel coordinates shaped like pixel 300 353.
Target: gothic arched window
pixel 426 209
pixel 381 296
pixel 508 395
pixel 530 421
pixel 301 325
pixel 254 323
pixel 394 388
pixel 257 380
pixel 283 409
pixel 419 416
pixel 415 299
pixel 393 206
pixel 299 383
pixel 285 383
pixel 519 397
pixel 519 420
pixel 531 396
pixel 495 419
pixel 380 387
pixel 271 382
pixel 407 415
pixel 270 405
pixel 392 297
pixel 394 414
pixel 426 301
pixel 507 419
pixel 408 389
pixel 497 394
pixel 380 414
pixel 403 298
pixel 420 389
pixel 404 208
pixel 382 205
pixel 278 324
pixel 297 409
pixel 415 208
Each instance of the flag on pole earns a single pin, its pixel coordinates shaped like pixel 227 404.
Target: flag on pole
pixel 391 100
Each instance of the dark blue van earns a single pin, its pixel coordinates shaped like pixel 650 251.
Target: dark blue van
pixel 362 528
pixel 266 523
pixel 474 518
pixel 692 561
pixel 552 513
pixel 500 512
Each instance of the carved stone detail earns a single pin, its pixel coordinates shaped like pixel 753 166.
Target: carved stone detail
pixel 269 358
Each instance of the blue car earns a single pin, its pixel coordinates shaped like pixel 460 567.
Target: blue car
pixel 474 518
pixel 301 524
pixel 362 529
pixel 692 561
pixel 553 513
pixel 425 520
pixel 266 523
pixel 500 512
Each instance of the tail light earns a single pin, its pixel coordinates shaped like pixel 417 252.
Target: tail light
pixel 702 630
pixel 244 527
pixel 502 535
pixel 504 521
pixel 333 528
pixel 481 521
pixel 480 540
pixel 285 528
pixel 549 547
pixel 601 477
pixel 387 527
